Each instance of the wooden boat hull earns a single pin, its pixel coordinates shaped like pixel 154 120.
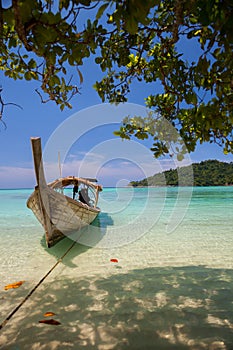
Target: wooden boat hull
pixel 66 215
pixel 59 214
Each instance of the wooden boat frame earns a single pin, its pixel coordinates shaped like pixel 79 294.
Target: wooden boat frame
pixel 59 214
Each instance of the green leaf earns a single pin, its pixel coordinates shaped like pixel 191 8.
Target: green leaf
pixel 28 76
pixel 85 2
pixel 98 60
pixel 131 25
pixel 62 106
pixel 101 10
pixel 12 42
pixel 54 80
pixel 32 64
pixel 34 76
pixel 191 98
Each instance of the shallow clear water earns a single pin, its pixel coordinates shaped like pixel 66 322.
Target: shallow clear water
pixel 166 213
pixel 175 262
pixel 172 226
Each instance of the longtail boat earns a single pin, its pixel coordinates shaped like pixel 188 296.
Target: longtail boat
pixel 60 214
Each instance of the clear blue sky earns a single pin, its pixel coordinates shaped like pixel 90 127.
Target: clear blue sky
pixel 105 157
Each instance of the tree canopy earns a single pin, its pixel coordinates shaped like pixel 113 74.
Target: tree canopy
pixel 130 40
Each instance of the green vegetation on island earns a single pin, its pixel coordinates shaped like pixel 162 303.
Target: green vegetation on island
pixel 206 173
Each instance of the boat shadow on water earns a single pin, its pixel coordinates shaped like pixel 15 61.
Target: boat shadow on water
pixel 86 238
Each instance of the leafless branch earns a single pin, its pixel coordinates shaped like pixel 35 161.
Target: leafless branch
pixel 3 105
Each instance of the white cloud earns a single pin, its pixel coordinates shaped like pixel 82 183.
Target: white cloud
pixel 16 177
pixel 108 169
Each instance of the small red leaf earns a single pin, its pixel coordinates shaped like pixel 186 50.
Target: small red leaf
pixel 114 260
pixel 14 285
pixel 49 313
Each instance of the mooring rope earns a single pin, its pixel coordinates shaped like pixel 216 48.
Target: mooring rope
pixel 35 288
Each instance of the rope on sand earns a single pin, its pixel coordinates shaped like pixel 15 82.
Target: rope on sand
pixel 35 288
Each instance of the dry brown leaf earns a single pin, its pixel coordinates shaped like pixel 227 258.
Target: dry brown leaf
pixel 14 285
pixel 50 321
pixel 80 76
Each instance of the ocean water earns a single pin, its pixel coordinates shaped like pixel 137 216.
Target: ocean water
pixel 171 286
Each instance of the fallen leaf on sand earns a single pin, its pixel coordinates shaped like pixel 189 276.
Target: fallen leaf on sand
pixel 14 285
pixel 114 260
pixel 49 314
pixel 50 321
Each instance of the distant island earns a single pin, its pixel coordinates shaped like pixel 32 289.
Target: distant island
pixel 206 173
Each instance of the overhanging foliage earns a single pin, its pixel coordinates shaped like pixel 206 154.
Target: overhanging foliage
pixel 130 40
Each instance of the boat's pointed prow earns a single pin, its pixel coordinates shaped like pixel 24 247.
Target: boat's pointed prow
pixel 38 161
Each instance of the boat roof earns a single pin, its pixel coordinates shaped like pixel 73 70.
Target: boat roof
pixel 72 180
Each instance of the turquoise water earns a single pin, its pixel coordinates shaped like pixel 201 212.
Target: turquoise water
pixel 171 288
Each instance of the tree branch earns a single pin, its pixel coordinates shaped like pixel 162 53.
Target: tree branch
pixel 3 104
pixel 19 25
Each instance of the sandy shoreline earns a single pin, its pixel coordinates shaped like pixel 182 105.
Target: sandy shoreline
pixel 117 306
